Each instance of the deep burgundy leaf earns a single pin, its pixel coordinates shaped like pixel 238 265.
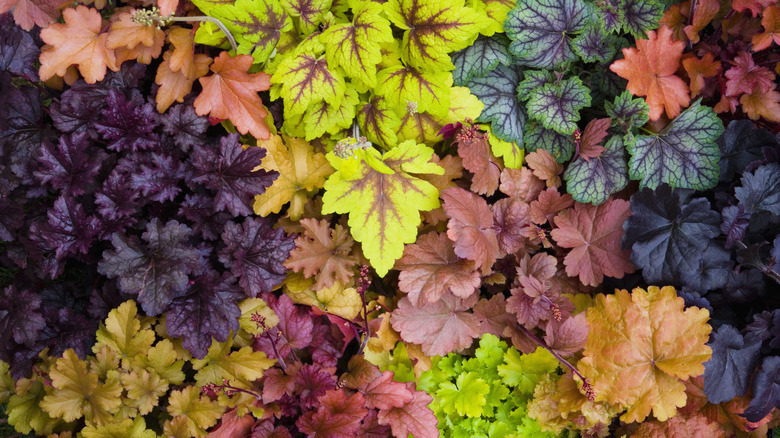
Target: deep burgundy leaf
pixel 157 176
pixel 72 165
pixel 68 231
pixel 20 318
pixel 294 330
pixel 128 124
pixel 311 382
pixel 185 126
pixel 18 51
pixel 198 208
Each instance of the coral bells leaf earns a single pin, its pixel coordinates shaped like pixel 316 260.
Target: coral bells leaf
pixel 441 327
pixel 197 411
pixel 640 348
pixel 383 207
pixel 175 85
pixel 123 334
pixel 759 104
pixel 592 137
pixel 430 268
pixel 745 76
pixel 383 393
pixel 471 227
pixel 698 69
pixel 257 25
pixel 336 416
pixel 134 40
pixel 323 252
pixel 79 42
pixel 650 69
pixel 594 233
pixel 231 93
pixel 307 79
pixel 412 418
pixel 770 19
pixel 28 13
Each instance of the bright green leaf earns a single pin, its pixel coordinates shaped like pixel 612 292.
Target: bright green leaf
pixel 466 397
pixel 523 371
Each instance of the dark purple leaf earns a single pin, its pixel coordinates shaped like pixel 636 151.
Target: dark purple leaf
pixel 727 373
pixel 712 270
pixel 71 166
pixel 157 176
pixel 766 390
pixel 294 330
pixel 761 326
pixel 735 223
pixel 199 209
pixel 128 124
pixel 20 114
pixel 67 329
pixel 11 220
pixel 117 199
pixel 209 310
pixel 255 253
pixel 740 145
pixel 230 171
pixel 744 286
pixel 18 51
pixel 156 271
pixel 760 190
pixel 68 231
pixel 20 318
pixel 185 126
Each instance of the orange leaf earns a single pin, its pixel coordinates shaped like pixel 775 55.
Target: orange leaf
pixel 138 41
pixel 698 69
pixel 183 55
pixel 764 104
pixel 167 7
pixel 550 203
pixel 231 93
pixel 771 22
pixel 650 69
pixel 755 6
pixel 28 13
pixel 174 85
pixel 521 184
pixel 675 18
pixel 78 42
pixel 590 141
pixel 705 12
pixel 545 167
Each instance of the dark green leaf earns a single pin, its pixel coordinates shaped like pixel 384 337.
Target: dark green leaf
pixel 497 92
pixel 558 105
pixel 594 45
pixel 533 79
pixel 593 181
pixel 479 59
pixel 558 145
pixel 639 16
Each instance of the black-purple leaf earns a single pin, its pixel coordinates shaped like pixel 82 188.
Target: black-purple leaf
pixel 68 231
pixel 20 318
pixel 765 389
pixel 157 176
pixel 744 286
pixel 128 124
pixel 185 126
pixel 199 209
pixel 18 51
pixel 21 111
pixel 760 190
pixel 593 181
pixel 70 166
pixel 233 173
pixel 66 329
pixel 117 199
pixel 11 220
pixel 711 271
pixel 209 310
pixel 158 270
pixel 727 373
pixel 735 223
pixel 740 145
pixel 255 253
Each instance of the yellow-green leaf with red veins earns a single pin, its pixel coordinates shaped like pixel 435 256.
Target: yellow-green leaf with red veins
pixel 306 79
pixel 378 122
pixel 355 46
pixel 412 91
pixel 433 29
pixel 641 347
pixel 323 117
pixel 308 14
pixel 256 25
pixel 384 208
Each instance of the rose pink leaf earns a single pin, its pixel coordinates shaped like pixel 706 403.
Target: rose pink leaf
pixel 383 393
pixel 492 315
pixel 569 336
pixel 471 227
pixel 513 225
pixel 413 418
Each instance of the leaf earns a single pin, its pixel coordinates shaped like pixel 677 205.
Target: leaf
pixel 322 117
pixel 20 318
pixel 594 134
pixel 594 45
pixel 497 92
pixel 770 19
pixel 339 300
pixel 243 365
pixel 310 13
pixel 594 233
pixel 432 30
pixel 595 180
pixel 698 69
pixel 24 410
pixel 761 104
pixel 176 85
pixel 440 327
pixel 78 393
pixel 685 155
pixel 122 333
pixel 760 190
pixel 471 227
pixel 524 371
pixel 479 160
pixel 301 171
pixel 545 167
pixel 157 271
pixel 640 16
pixel 727 373
pixel 636 356
pixel 681 425
pixel 306 79
pixel 412 418
pixel 407 89
pixel 627 112
pixel 430 268
pixel 383 393
pixel 511 154
pixel 541 31
pixel 234 173
pixel 537 137
pixel 378 122
pixel 132 40
pixel 198 411
pixel 650 69
pixel 144 389
pixel 512 225
pixel 558 105
pixel 79 42
pixel 568 337
pixel 18 51
pixel 383 208
pixel 337 415
pixel 355 46
pixel 466 396
pixel 231 93
pixel 256 25
pixel 255 253
pixel 667 235
pixel 323 252
pixel 480 58
pixel 29 13
pixel 745 76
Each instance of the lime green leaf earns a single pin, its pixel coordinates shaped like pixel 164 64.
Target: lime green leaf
pixel 210 34
pixel 467 398
pixel 508 150
pixel 322 117
pixel 144 389
pixel 496 11
pixel 135 428
pixel 307 79
pixel 255 24
pixel 355 46
pixel 6 383
pixel 407 89
pixel 207 5
pixel 220 363
pixel 384 209
pixel 421 128
pixel 122 333
pixel 558 105
pixel 308 13
pixel 77 393
pixel 199 411
pixel 249 307
pixel 524 371
pixel 378 122
pixel 24 409
pixel 433 29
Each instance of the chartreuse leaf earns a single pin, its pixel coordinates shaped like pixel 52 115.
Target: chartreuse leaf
pixel 639 16
pixel 558 105
pixel 509 151
pixel 684 155
pixel 378 122
pixel 466 396
pixel 206 6
pixel 307 14
pixel 355 46
pixel 77 393
pixel 24 409
pixel 407 89
pixel 210 34
pixel 558 145
pixel 497 92
pixel 433 29
pixel 256 25
pixel 198 411
pixel 423 127
pixel 496 11
pixel 384 208
pixel 306 79
pixel 6 383
pixel 322 117
pixel 480 58
pixel 127 428
pixel 242 365
pixel 542 30
pixel 524 371
pixel 250 328
pixel 122 333
pixel 593 181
